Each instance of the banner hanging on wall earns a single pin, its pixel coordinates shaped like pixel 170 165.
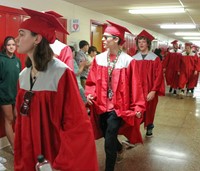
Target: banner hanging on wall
pixel 75 25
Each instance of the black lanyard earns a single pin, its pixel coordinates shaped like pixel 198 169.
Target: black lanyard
pixel 32 82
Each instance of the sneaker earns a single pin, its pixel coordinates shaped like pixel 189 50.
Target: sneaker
pixel 120 154
pixel 149 132
pixel 2 168
pixel 174 93
pixel 170 90
pixel 190 94
pixel 2 160
pixel 181 95
pixel 128 144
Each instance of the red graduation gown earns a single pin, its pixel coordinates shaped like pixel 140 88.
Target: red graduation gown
pixel 124 107
pixel 198 65
pixel 63 52
pixel 57 125
pixel 151 74
pixel 66 57
pixel 189 64
pixel 172 65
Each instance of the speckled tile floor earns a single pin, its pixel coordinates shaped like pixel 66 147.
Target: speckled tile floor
pixel 174 146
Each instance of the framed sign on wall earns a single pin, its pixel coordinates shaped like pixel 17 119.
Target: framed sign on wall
pixel 74 25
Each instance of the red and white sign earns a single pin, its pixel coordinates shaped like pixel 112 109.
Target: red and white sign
pixel 75 26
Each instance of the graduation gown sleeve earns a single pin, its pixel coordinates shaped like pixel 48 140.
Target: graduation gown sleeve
pixel 131 128
pixel 137 101
pixel 158 83
pixel 91 80
pixel 77 146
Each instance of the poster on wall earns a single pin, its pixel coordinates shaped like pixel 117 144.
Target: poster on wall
pixel 75 25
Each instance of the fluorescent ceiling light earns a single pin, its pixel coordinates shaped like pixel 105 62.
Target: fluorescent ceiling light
pixel 177 26
pixel 191 38
pixel 157 10
pixel 187 34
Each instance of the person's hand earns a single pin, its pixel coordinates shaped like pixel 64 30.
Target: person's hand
pixel 88 64
pixel 138 114
pixel 151 95
pixel 89 99
pixel 82 64
pixel 195 72
pixel 178 73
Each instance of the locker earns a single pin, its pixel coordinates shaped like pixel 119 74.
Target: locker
pixel 3 27
pixel 12 24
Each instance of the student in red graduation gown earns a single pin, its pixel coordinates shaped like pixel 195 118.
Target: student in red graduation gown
pixel 188 70
pixel 51 117
pixel 151 75
pixel 61 50
pixel 171 67
pixel 107 91
pixel 195 49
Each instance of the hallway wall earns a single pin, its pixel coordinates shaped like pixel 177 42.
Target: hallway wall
pixel 71 11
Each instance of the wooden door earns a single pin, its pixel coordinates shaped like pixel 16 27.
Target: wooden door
pixel 96 35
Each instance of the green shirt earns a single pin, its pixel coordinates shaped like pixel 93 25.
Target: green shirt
pixel 9 74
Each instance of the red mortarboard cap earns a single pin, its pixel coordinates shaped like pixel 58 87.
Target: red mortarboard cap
pixel 195 47
pixel 43 23
pixel 188 44
pixel 116 30
pixel 174 42
pixel 55 14
pixel 145 34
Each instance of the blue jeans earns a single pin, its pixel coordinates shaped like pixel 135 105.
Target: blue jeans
pixel 110 124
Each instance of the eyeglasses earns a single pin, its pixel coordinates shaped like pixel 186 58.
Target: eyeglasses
pixel 107 36
pixel 24 109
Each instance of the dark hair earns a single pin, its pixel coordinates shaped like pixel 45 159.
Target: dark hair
pixel 92 49
pixel 83 43
pixel 5 42
pixel 42 55
pixel 158 51
pixel 148 41
pixel 120 40
pixel 72 48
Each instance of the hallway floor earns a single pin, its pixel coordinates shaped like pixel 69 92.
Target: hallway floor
pixel 174 146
